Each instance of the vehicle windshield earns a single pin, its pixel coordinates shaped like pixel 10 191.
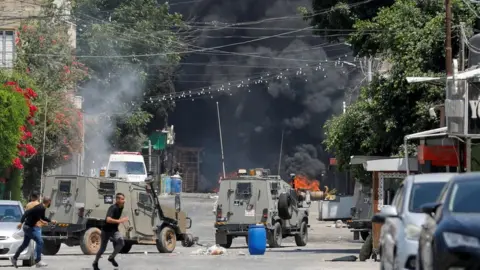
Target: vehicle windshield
pixel 423 193
pixel 464 197
pixel 10 213
pixel 127 167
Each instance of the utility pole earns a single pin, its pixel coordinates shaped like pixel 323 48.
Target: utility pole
pixel 448 39
pixel 468 140
pixel 369 73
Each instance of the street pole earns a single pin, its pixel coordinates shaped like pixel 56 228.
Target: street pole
pixel 468 141
pixel 369 74
pixel 281 150
pixel 149 155
pixel 448 39
pixel 43 146
pixel 221 140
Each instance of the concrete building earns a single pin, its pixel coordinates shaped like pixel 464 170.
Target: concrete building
pixel 12 13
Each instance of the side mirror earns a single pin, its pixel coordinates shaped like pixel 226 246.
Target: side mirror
pixel 387 211
pixel 430 208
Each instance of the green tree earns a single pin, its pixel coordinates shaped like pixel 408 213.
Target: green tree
pixel 135 43
pixel 44 54
pixel 335 18
pixel 410 35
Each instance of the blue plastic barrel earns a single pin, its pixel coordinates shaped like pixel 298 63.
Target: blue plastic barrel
pixel 257 239
pixel 166 185
pixel 176 184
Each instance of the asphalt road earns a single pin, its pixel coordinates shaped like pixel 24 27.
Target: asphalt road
pixel 325 243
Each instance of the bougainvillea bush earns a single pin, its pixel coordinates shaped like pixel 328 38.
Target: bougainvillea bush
pixel 44 54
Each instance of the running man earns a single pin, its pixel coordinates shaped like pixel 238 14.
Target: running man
pixel 30 218
pixel 110 231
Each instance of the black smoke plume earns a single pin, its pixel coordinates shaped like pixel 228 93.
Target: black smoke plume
pixel 298 101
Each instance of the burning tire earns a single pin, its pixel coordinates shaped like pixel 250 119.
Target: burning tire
pixel 285 206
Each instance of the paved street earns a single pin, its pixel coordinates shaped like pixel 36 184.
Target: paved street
pixel 325 244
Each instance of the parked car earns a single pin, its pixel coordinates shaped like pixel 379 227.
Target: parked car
pixel 402 219
pixel 450 237
pixel 10 237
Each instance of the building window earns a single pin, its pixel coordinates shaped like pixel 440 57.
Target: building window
pixel 7 48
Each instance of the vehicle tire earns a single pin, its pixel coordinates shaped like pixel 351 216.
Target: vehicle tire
pixel 301 238
pixel 50 248
pixel 366 250
pixel 91 241
pixel 364 235
pixel 285 206
pixel 167 240
pixel 275 237
pixel 126 248
pixel 187 240
pixel 30 261
pixel 229 242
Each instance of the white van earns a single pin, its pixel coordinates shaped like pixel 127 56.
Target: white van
pixel 129 165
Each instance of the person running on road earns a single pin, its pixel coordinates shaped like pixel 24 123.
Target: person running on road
pixel 34 201
pixel 33 232
pixel 110 231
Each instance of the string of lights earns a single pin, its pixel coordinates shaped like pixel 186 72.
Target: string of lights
pixel 246 83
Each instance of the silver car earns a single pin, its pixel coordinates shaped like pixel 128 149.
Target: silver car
pixel 10 237
pixel 402 220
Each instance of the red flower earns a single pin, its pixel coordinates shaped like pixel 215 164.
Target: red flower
pixel 23 128
pixel 22 153
pixel 17 40
pixel 30 150
pixel 17 163
pixel 24 28
pixel 10 83
pixel 30 93
pixel 28 134
pixel 28 70
pixel 31 121
pixel 54 42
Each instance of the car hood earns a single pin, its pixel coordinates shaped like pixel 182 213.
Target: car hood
pixel 8 228
pixel 462 223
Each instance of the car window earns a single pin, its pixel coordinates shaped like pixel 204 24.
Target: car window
pixel 464 197
pixel 424 193
pixel 443 193
pixel 10 213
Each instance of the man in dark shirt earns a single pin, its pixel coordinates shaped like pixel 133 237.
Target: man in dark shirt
pixel 33 232
pixel 110 231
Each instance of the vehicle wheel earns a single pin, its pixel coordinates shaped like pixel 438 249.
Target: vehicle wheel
pixel 30 261
pixel 301 238
pixel 91 241
pixel 126 248
pixel 50 247
pixel 187 240
pixel 167 240
pixel 275 239
pixel 229 242
pixel 364 235
pixel 366 250
pixel 285 206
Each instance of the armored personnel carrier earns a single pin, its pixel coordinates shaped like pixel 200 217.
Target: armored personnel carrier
pixel 79 204
pixel 258 197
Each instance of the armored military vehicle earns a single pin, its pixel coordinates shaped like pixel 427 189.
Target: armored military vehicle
pixel 79 204
pixel 361 212
pixel 258 197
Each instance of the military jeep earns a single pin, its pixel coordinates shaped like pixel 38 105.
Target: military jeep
pixel 257 197
pixel 79 205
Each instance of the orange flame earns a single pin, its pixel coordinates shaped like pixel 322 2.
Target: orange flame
pixel 302 182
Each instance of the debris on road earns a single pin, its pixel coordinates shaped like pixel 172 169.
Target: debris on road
pixel 350 258
pixel 213 250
